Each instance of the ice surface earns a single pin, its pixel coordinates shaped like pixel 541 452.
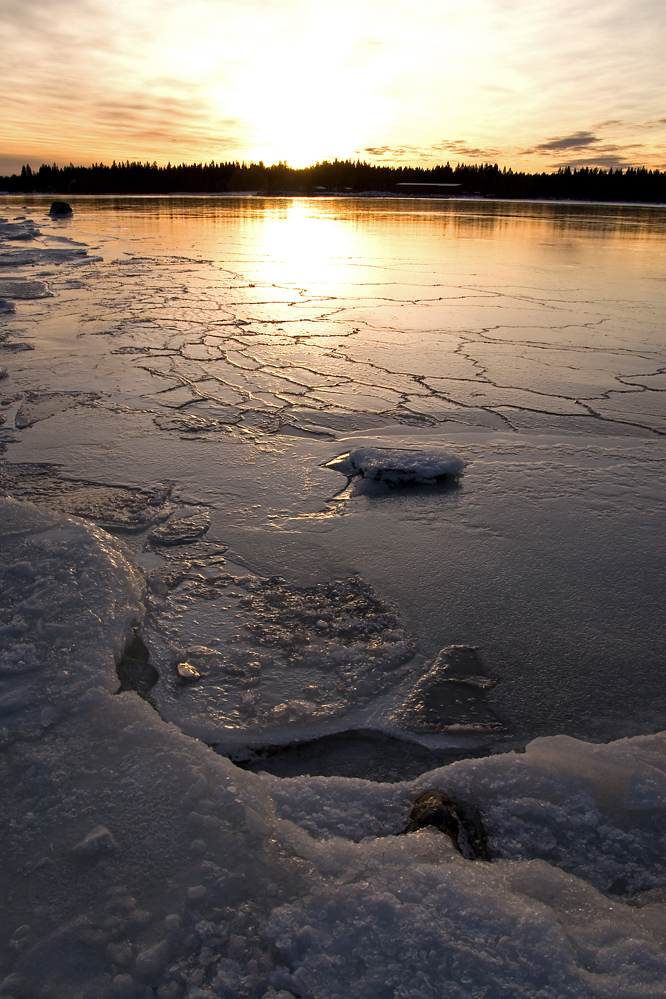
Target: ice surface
pixel 138 861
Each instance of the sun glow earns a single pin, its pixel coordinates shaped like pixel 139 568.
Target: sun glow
pixel 305 80
pixel 309 96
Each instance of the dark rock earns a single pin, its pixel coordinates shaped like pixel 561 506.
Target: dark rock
pixel 462 824
pixel 60 208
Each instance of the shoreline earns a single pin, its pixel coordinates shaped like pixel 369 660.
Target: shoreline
pixel 332 195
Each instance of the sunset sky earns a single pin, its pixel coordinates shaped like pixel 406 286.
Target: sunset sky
pixel 531 84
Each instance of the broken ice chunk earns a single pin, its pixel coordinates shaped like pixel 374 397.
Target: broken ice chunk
pixel 450 695
pixel 21 228
pixel 20 288
pixel 398 467
pixel 98 841
pixel 181 530
pixel 187 672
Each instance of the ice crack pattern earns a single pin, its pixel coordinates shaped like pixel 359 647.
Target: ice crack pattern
pixel 226 346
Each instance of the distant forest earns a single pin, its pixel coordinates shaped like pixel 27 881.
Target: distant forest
pixel 339 176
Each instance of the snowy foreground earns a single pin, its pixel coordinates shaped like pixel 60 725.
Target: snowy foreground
pixel 240 513
pixel 140 859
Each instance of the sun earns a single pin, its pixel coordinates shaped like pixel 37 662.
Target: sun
pixel 308 97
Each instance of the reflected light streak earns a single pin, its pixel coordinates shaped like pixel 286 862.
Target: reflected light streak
pixel 300 246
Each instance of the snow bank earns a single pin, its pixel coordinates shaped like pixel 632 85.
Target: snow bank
pixel 68 600
pixel 138 862
pixel 398 467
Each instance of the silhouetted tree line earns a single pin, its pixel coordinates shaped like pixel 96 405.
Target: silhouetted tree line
pixel 342 176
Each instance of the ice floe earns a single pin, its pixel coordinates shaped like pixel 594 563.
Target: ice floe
pixel 181 530
pixel 113 507
pixel 278 662
pixel 398 467
pixel 450 696
pixel 18 229
pixel 23 289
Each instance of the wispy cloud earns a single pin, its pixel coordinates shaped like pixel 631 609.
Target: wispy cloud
pixel 589 149
pixel 434 152
pixel 605 161
pixel 579 140
pixel 82 79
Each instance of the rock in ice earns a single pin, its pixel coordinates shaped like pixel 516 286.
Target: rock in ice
pixel 60 208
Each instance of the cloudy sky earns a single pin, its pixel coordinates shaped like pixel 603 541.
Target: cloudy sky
pixel 531 84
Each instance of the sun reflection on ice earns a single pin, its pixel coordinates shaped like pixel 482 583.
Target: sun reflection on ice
pixel 302 244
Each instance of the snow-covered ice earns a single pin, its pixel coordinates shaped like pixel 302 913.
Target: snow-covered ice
pixel 398 467
pixel 182 576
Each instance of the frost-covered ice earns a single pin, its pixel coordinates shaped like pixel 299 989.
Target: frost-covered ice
pixel 398 467
pixel 193 388
pixel 69 601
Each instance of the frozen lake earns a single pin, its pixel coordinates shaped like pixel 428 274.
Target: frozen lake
pixel 387 475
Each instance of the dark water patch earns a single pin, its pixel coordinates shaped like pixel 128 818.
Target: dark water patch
pixel 366 754
pixel 134 669
pixel 451 696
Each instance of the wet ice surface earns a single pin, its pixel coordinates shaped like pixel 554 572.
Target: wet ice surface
pixel 189 385
pixel 181 351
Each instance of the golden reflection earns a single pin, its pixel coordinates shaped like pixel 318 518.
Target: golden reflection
pixel 303 244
